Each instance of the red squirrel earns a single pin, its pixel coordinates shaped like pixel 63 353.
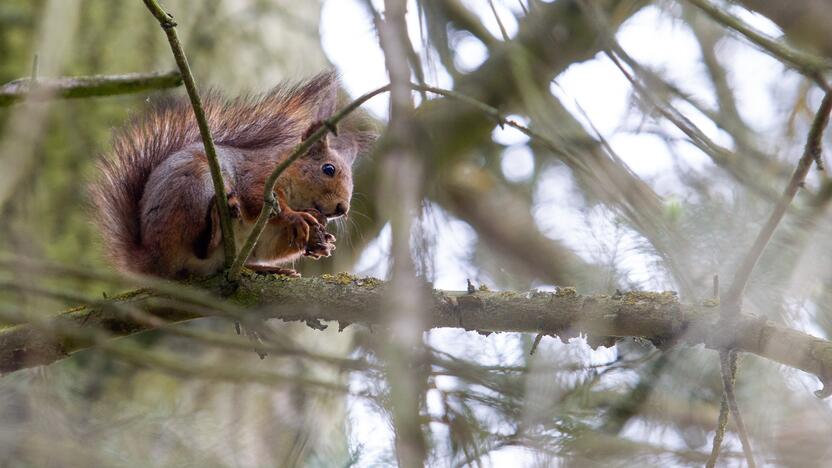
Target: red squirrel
pixel 155 198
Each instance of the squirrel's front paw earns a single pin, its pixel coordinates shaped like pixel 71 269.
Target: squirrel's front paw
pixel 298 228
pixel 321 243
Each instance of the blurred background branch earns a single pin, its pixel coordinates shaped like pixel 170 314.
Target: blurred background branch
pixel 86 86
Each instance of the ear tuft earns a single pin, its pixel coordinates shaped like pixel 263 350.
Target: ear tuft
pixel 328 97
pixel 321 146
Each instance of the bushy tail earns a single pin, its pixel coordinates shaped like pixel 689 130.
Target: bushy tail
pixel 275 119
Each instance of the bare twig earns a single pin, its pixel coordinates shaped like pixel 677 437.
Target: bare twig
pixel 722 420
pixel 728 369
pixel 499 21
pixel 723 157
pixel 86 86
pixel 169 26
pixel 719 435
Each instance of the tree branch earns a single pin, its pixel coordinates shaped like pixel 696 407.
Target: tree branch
pixel 221 196
pixel 87 86
pixel 805 22
pixel 657 317
pixel 808 64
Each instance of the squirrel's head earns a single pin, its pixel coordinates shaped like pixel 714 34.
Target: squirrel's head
pixel 322 178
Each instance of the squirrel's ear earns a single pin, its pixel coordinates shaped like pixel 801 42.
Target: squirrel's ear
pixel 328 98
pixel 322 145
pixel 353 144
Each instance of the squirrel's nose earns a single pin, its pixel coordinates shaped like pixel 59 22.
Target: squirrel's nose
pixel 340 210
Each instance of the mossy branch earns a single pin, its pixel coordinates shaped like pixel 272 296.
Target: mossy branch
pixel 86 86
pixel 658 317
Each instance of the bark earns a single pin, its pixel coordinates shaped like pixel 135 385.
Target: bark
pixel 655 316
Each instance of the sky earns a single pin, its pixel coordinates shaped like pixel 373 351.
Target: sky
pixel 595 91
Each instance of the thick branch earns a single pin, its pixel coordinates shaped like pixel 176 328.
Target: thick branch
pixel 658 317
pixel 87 86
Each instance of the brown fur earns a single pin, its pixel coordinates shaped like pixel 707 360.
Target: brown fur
pixel 154 198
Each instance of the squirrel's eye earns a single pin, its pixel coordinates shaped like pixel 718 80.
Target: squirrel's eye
pixel 328 169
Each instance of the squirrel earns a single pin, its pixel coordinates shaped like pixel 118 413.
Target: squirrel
pixel 155 200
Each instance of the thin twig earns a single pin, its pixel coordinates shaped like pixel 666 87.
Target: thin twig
pixel 722 421
pixel 723 157
pixel 721 425
pixel 499 21
pixel 807 64
pixel 169 26
pixel 728 369
pixel 85 86
pixel 498 116
pixel 35 69
pixel 270 206
pixel 811 154
pixel 535 343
